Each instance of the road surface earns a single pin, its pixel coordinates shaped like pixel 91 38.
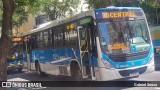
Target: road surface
pixel 32 76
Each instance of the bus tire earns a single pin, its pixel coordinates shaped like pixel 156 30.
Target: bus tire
pixel 20 69
pixel 76 73
pixel 39 72
pixel 38 69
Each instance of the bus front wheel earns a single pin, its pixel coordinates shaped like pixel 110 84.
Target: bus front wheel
pixel 20 69
pixel 38 69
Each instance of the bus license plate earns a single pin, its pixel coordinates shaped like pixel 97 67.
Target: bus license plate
pixel 134 73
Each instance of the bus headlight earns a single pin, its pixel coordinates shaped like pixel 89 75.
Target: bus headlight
pixel 151 58
pixel 107 64
pixel 19 62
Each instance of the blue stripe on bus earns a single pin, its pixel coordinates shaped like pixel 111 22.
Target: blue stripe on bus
pixel 50 55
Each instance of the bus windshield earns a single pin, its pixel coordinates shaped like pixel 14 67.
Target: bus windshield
pixel 124 37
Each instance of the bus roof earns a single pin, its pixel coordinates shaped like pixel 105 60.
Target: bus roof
pixel 116 8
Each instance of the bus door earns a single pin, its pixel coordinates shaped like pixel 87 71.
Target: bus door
pixel 84 46
pixel 28 49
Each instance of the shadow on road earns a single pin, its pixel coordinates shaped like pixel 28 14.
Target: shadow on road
pixel 32 76
pixel 14 72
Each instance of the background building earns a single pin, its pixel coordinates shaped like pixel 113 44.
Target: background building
pixel 28 25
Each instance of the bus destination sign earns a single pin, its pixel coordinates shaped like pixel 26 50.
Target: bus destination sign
pixel 16 39
pixel 115 14
pixel 118 14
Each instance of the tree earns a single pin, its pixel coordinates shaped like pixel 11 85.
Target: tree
pixel 125 3
pixel 98 3
pixel 22 8
pixel 155 5
pixel 56 8
pixel 8 9
pixel 106 3
pixel 52 8
pixel 20 13
pixel 150 7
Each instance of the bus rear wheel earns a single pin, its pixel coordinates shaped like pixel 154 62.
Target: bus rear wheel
pixel 39 72
pixel 38 69
pixel 76 73
pixel 20 69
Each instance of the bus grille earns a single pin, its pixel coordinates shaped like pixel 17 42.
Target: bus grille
pixel 123 58
pixel 126 73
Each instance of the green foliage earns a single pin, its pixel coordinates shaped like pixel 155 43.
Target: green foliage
pixel 152 3
pixel 125 3
pixel 57 8
pixel 22 10
pixel 98 3
pixel 152 10
pixel 53 8
pixel 106 3
pixel 150 7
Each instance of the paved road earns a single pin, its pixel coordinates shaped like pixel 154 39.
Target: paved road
pixel 32 76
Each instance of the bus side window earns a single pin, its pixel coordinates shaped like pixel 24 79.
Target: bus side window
pixel 83 34
pixel 24 45
pixel 50 38
pixel 33 42
pixel 29 44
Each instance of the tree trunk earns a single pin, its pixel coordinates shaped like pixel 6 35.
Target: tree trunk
pixel 8 8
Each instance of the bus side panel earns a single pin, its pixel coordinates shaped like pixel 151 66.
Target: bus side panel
pixel 25 59
pixel 51 61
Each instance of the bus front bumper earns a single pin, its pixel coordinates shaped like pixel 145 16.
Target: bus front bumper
pixel 118 74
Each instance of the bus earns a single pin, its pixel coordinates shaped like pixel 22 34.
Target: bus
pixel 15 55
pixel 100 44
pixel 155 33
